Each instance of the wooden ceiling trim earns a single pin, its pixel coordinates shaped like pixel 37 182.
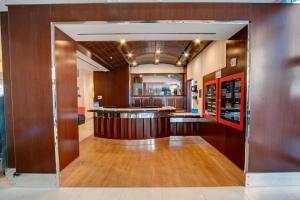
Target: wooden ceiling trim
pixel 84 50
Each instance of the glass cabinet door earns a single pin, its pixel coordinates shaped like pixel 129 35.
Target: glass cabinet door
pixel 211 99
pixel 231 111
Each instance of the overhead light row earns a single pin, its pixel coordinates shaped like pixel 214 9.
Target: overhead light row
pixel 197 41
pixel 158 51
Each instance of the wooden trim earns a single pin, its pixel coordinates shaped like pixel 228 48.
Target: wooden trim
pixel 7 91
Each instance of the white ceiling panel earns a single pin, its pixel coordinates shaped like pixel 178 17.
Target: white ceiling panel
pixel 146 31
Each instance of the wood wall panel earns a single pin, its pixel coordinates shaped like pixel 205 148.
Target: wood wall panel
pixel 274 144
pixel 235 146
pixel 66 91
pixel 30 57
pixel 113 86
pixel 274 102
pixel 7 91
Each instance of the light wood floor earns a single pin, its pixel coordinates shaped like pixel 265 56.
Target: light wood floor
pixel 166 162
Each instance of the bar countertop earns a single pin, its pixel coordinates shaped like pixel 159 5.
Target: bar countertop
pixel 103 109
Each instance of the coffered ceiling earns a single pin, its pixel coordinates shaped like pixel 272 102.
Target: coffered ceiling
pixel 114 54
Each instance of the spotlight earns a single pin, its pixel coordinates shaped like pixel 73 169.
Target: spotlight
pixel 156 60
pixel 186 54
pixel 158 51
pixel 134 63
pixel 122 41
pixel 197 41
pixel 129 55
pixel 179 63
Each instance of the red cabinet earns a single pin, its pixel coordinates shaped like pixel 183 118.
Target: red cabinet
pixel 224 100
pixel 211 95
pixel 232 101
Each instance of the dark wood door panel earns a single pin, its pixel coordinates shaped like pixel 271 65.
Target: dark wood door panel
pixel 66 87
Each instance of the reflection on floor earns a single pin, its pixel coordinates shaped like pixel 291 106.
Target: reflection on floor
pixel 166 162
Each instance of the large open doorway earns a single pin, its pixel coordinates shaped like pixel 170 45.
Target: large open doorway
pixel 200 151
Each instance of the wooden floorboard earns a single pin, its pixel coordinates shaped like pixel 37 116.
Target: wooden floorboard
pixel 166 162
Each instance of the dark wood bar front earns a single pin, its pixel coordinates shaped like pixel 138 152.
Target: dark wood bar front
pixel 131 124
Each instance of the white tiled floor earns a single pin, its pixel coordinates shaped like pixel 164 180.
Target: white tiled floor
pixel 7 192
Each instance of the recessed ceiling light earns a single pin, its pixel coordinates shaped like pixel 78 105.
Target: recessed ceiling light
pixel 122 41
pixel 179 63
pixel 156 60
pixel 186 54
pixel 129 55
pixel 134 63
pixel 111 57
pixel 158 51
pixel 197 41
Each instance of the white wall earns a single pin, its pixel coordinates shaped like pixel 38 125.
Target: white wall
pixel 152 68
pixel 211 59
pixel 86 86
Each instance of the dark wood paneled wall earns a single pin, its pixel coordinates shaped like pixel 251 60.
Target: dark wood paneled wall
pixel 30 59
pixel 274 143
pixel 179 102
pixel 66 88
pixel 113 86
pixel 7 91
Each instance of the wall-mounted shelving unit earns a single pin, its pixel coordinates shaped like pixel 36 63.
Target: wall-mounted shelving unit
pixel 211 90
pixel 232 101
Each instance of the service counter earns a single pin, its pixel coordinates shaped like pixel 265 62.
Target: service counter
pixel 132 123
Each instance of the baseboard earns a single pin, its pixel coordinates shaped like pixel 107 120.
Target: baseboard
pixel 9 173
pixel 32 180
pixel 273 179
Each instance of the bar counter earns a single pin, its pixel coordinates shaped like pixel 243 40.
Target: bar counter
pixel 132 123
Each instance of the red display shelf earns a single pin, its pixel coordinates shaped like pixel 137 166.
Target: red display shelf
pixel 208 101
pixel 231 107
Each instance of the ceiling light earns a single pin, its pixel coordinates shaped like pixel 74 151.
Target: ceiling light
pixel 156 60
pixel 186 54
pixel 129 55
pixel 122 41
pixel 158 51
pixel 197 41
pixel 134 63
pixel 179 63
pixel 111 57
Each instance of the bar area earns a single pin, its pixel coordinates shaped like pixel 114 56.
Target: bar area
pixel 132 123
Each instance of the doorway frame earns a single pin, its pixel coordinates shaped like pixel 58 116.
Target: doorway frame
pixel 247 86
